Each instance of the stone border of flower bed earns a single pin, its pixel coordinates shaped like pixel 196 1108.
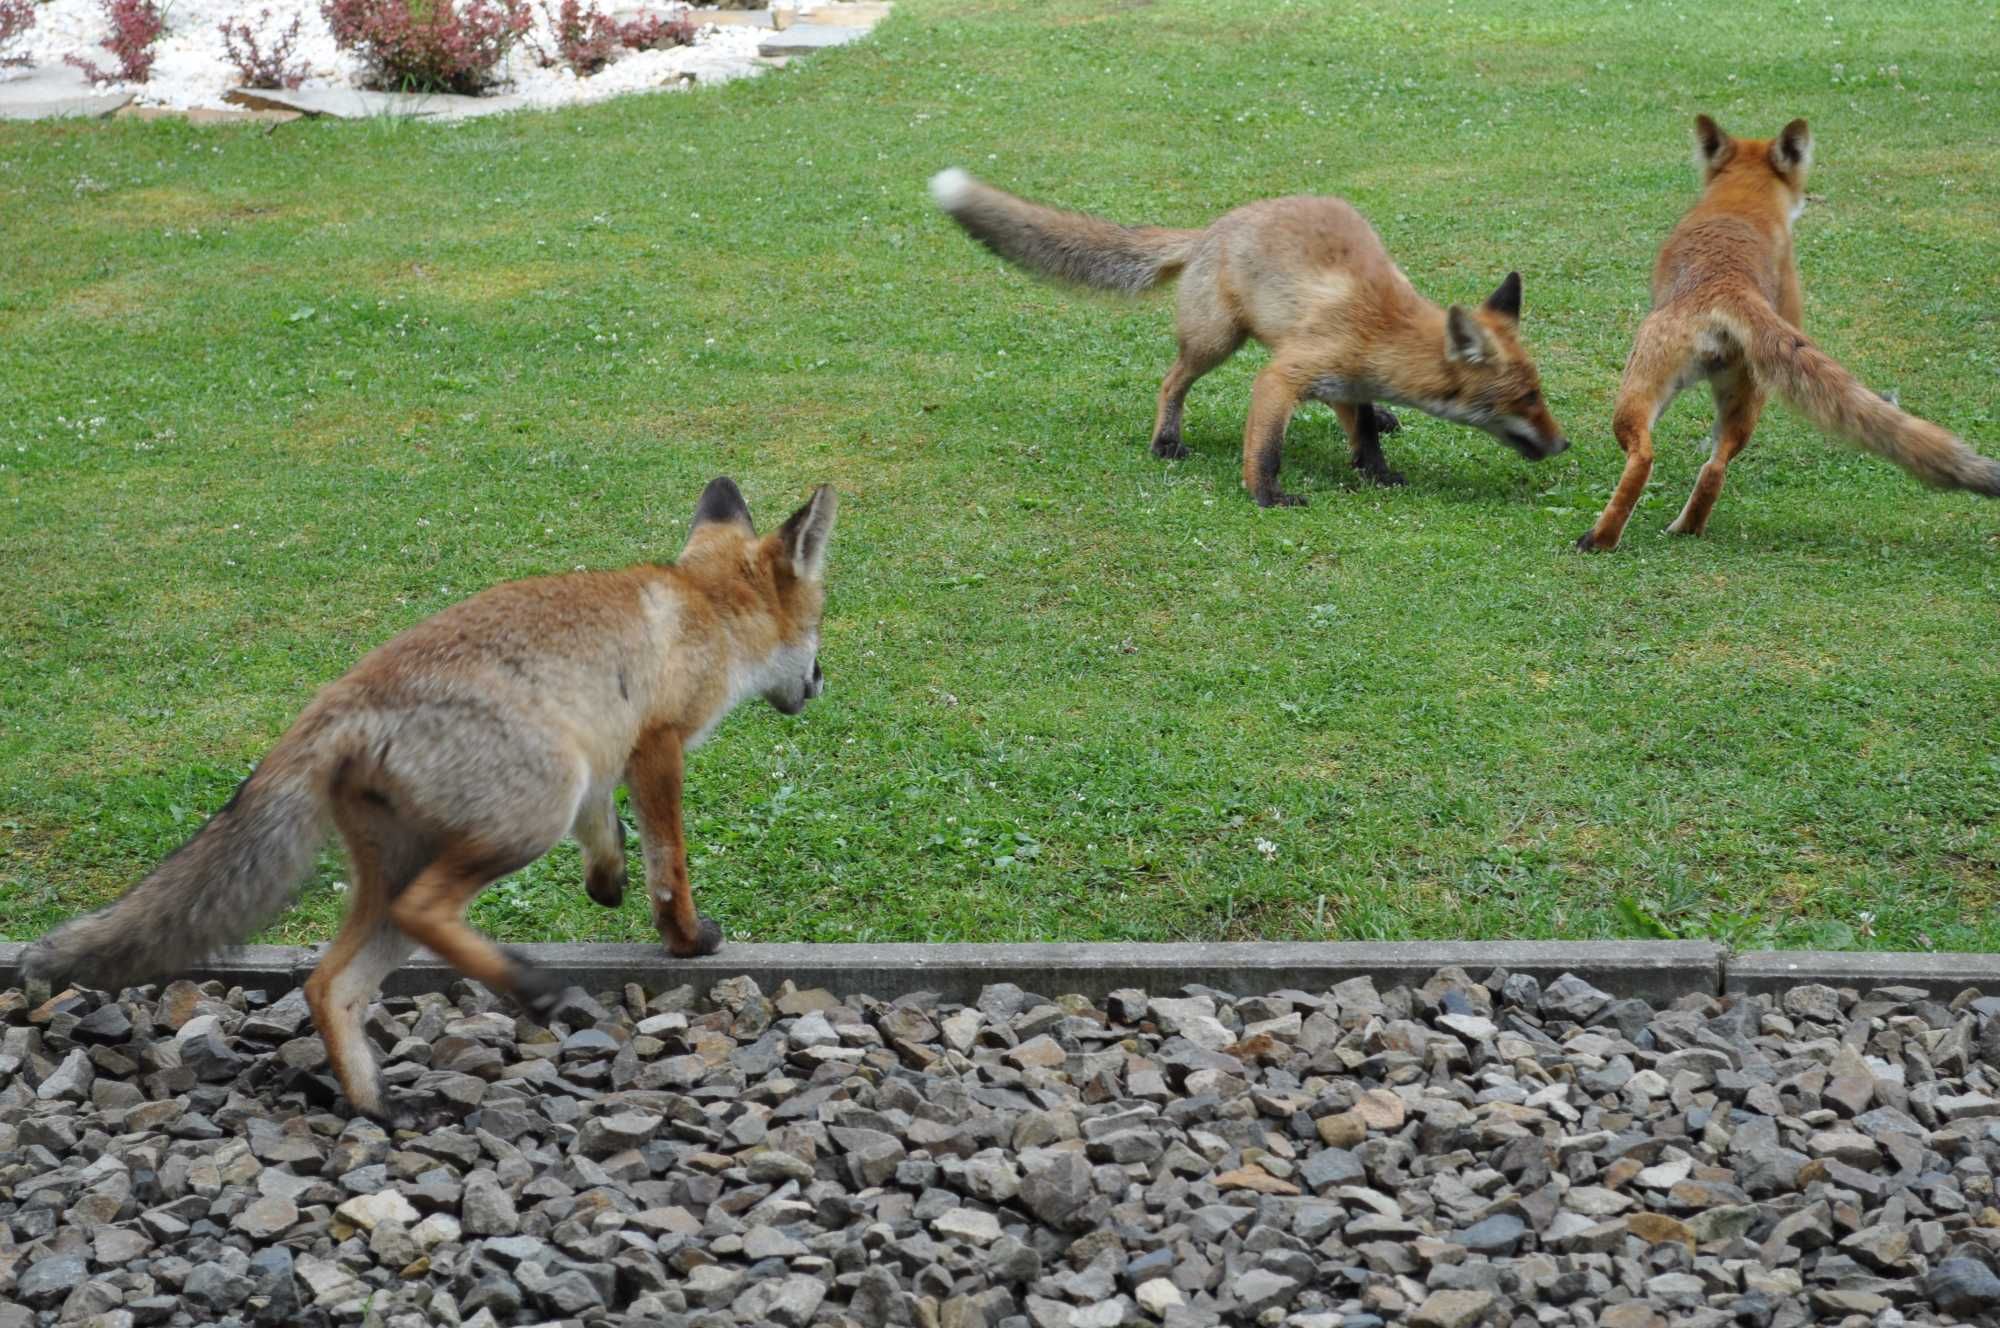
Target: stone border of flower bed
pixel 1659 971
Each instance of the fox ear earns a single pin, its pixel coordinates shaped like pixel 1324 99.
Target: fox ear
pixel 1791 150
pixel 1506 298
pixel 721 501
pixel 1711 145
pixel 1465 341
pixel 806 532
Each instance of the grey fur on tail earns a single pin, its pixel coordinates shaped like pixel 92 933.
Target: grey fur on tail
pixel 1069 246
pixel 236 873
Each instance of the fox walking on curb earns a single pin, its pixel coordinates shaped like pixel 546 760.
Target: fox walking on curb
pixel 1727 308
pixel 1308 278
pixel 464 749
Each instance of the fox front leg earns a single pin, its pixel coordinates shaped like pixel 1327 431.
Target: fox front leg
pixel 654 781
pixel 602 838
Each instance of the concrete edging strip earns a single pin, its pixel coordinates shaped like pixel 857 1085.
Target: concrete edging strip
pixel 1659 971
pixel 1940 974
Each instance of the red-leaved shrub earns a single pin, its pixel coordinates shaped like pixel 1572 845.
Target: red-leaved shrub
pixel 257 66
pixel 650 32
pixel 585 39
pixel 16 17
pixel 428 45
pixel 135 26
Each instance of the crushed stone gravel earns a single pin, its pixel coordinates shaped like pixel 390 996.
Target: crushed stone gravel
pixel 1474 1151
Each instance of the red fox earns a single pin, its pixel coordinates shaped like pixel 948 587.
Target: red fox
pixel 1727 308
pixel 1308 278
pixel 463 749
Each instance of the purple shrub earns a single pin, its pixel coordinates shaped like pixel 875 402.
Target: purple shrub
pixel 16 17
pixel 428 45
pixel 258 66
pixel 653 33
pixel 585 39
pixel 135 26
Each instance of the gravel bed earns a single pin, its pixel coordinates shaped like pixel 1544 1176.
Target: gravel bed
pixel 1469 1152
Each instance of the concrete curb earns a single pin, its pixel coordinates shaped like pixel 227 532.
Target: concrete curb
pixel 1660 971
pixel 1943 975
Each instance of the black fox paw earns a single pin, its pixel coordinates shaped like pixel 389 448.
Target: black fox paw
pixel 706 941
pixel 1170 449
pixel 606 886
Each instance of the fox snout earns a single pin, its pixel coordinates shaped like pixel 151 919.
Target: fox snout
pixel 1546 448
pixel 791 700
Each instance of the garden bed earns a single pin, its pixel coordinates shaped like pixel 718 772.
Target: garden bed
pixel 194 68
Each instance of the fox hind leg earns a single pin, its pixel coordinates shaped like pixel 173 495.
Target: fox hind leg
pixel 1653 377
pixel 382 858
pixel 1738 403
pixel 1197 356
pixel 601 835
pixel 431 911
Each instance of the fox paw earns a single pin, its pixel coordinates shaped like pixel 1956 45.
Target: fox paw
pixel 1385 420
pixel 606 885
pixel 1587 543
pixel 534 989
pixel 1279 498
pixel 388 1113
pixel 707 940
pixel 1382 475
pixel 1170 449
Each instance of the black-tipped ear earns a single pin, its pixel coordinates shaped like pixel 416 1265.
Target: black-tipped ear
pixel 1791 150
pixel 1464 339
pixel 806 532
pixel 1506 298
pixel 1711 145
pixel 721 501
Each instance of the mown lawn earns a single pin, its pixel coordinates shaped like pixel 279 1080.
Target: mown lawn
pixel 268 396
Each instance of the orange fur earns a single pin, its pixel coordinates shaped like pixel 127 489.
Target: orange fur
pixel 463 749
pixel 1727 309
pixel 1309 279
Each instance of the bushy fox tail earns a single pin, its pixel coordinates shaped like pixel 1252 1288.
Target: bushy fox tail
pixel 217 889
pixel 1069 246
pixel 1834 399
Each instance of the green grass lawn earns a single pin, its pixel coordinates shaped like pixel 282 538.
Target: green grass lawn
pixel 269 395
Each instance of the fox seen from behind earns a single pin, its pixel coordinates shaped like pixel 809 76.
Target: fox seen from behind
pixel 464 749
pixel 1727 308
pixel 1309 279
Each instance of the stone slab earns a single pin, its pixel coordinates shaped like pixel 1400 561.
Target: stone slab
pixel 360 104
pixel 807 38
pixel 207 115
pixel 1940 974
pixel 861 15
pixel 731 18
pixel 56 92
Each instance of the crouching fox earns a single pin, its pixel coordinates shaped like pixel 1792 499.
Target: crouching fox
pixel 464 749
pixel 1309 278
